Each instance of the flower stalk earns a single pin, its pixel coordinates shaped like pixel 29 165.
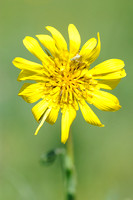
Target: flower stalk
pixel 68 167
pixel 69 171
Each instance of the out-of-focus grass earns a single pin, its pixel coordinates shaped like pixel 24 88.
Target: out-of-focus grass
pixel 103 156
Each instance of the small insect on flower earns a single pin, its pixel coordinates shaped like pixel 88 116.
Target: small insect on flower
pixel 64 80
pixel 77 57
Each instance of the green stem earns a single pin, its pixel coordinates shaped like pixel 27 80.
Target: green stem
pixel 69 169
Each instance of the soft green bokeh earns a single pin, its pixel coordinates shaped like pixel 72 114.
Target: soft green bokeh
pixel 103 156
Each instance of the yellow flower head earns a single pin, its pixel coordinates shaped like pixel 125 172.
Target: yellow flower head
pixel 65 81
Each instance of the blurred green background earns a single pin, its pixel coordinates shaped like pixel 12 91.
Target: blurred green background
pixel 103 156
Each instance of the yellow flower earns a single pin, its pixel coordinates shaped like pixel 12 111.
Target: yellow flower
pixel 65 81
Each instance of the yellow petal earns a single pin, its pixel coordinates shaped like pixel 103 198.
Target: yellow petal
pixel 39 109
pixel 43 120
pixel 68 115
pixel 96 51
pixel 89 115
pixel 108 84
pixel 107 66
pixel 29 75
pixel 24 64
pixel 52 117
pixel 105 101
pixel 59 39
pixel 114 75
pixel 88 48
pixel 49 43
pixel 34 47
pixel 31 92
pixel 91 49
pixel 74 38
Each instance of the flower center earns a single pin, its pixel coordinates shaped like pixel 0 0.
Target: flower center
pixel 70 84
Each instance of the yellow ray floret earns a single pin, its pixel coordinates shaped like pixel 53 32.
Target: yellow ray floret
pixel 89 115
pixel 91 49
pixel 74 40
pixel 49 43
pixel 64 81
pixel 68 116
